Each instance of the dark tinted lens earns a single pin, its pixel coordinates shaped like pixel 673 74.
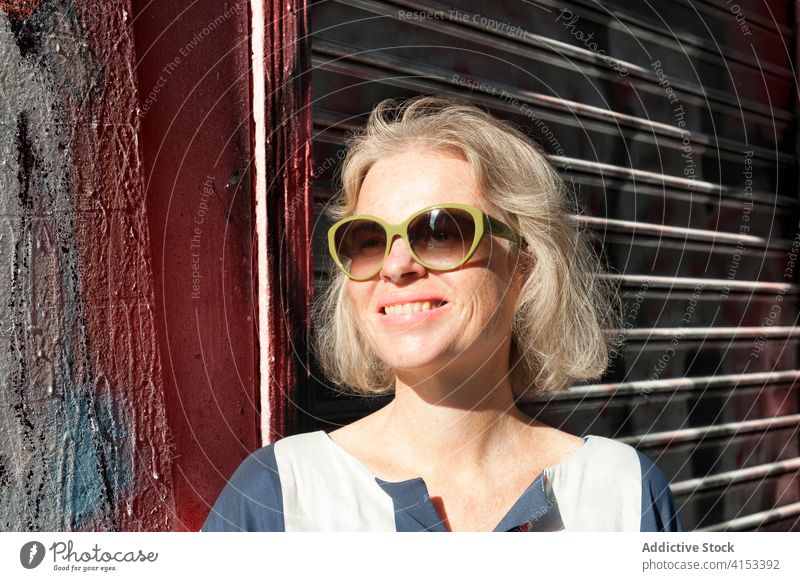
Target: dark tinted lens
pixel 360 246
pixel 442 237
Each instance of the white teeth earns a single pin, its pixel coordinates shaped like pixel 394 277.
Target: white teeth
pixel 407 308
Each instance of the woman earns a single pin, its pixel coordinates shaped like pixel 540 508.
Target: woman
pixel 462 284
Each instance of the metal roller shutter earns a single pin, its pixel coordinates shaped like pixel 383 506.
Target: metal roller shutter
pixel 682 147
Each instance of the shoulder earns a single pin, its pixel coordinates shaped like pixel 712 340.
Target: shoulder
pixel 362 435
pixel 552 445
pixel 659 512
pixel 609 485
pixel 325 488
pixel 252 498
pixel 613 459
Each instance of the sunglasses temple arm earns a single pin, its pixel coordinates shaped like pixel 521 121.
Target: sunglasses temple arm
pixel 498 228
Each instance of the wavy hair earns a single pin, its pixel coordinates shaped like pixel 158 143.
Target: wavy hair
pixel 564 322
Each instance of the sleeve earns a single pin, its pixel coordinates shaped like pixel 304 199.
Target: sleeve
pixel 659 513
pixel 252 500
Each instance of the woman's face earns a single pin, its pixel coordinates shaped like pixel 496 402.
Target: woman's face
pixel 480 296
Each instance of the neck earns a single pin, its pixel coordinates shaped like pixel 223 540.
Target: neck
pixel 458 416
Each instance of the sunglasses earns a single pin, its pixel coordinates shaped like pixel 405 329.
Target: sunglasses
pixel 440 237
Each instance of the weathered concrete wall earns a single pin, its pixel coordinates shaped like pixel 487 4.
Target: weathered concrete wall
pixel 84 443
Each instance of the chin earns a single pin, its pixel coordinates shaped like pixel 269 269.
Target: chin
pixel 413 356
pixel 413 361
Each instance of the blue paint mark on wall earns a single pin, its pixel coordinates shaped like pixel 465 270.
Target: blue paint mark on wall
pixel 66 459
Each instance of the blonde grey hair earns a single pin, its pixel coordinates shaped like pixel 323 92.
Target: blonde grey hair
pixel 558 330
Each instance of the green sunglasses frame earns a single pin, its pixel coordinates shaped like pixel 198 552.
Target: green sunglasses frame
pixel 484 224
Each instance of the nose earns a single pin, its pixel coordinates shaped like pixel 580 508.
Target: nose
pixel 400 263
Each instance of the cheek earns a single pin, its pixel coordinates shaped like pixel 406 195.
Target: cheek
pixel 355 294
pixel 494 300
pixel 485 299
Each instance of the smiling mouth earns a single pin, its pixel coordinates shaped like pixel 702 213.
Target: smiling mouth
pixel 412 308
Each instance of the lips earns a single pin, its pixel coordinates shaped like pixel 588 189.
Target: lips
pixel 413 318
pixel 435 300
pixel 411 308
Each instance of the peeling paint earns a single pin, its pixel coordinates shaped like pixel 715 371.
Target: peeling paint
pixel 18 9
pixel 80 437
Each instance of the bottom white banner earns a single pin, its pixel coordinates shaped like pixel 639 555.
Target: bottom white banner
pixel 399 556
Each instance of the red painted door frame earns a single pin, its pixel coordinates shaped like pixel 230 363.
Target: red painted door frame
pixel 206 176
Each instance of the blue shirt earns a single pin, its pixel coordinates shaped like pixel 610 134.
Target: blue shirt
pixel 307 482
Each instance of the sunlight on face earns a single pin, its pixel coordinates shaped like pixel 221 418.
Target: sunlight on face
pixel 480 296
